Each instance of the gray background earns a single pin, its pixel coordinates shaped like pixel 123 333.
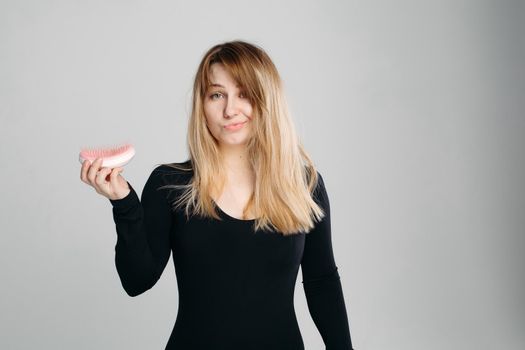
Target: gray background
pixel 412 110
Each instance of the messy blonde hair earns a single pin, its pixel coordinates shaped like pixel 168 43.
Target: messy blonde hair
pixel 285 174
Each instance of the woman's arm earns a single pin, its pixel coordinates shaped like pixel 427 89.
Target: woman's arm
pixel 143 236
pixel 321 281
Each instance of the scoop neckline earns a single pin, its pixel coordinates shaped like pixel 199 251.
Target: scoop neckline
pixel 228 216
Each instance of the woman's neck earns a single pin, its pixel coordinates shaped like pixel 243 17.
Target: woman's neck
pixel 236 161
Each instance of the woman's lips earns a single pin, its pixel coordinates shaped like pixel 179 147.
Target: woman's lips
pixel 235 126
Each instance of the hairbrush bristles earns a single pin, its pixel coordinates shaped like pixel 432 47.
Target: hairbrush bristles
pixel 112 157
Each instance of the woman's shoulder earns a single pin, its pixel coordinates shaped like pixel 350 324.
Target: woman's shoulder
pixel 181 168
pixel 319 193
pixel 172 173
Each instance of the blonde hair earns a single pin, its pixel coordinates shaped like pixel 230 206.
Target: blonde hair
pixel 285 174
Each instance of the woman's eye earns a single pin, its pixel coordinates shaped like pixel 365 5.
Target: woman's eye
pixel 216 95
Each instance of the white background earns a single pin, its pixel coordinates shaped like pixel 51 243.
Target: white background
pixel 413 111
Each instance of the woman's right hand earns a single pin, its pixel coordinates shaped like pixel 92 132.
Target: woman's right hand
pixel 106 181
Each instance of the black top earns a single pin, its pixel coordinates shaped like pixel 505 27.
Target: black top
pixel 236 286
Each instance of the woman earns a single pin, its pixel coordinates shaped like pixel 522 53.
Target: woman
pixel 241 215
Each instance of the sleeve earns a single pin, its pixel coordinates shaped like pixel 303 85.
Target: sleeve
pixel 321 280
pixel 143 236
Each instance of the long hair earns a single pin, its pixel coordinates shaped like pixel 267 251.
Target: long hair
pixel 285 176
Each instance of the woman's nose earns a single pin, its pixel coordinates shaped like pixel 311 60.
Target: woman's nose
pixel 232 107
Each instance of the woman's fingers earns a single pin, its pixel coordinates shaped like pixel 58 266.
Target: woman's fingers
pixel 100 178
pixel 114 174
pixel 93 170
pixel 104 180
pixel 84 170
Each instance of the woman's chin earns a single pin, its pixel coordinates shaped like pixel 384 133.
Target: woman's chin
pixel 237 142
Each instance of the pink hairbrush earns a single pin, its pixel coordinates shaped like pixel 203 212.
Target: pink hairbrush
pixel 112 157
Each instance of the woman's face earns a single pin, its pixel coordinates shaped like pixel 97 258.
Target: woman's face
pixel 226 105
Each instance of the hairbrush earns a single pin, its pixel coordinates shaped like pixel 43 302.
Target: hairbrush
pixel 112 157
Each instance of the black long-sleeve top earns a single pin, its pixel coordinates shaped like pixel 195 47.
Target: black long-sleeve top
pixel 236 285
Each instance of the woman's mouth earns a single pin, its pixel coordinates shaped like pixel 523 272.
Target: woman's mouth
pixel 234 127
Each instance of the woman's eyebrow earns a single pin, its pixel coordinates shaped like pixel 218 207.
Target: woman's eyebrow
pixel 219 85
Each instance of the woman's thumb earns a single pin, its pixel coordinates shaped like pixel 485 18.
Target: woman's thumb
pixel 116 172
